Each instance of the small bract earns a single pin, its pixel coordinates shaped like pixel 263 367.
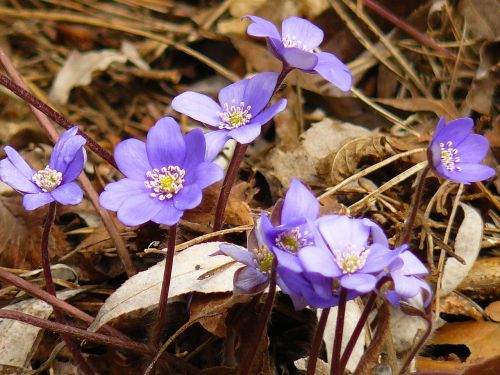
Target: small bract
pixel 455 153
pixel 163 176
pixel 296 45
pixel 55 182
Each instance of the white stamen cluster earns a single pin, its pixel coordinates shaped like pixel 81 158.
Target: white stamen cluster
pixel 351 260
pixel 47 179
pixel 293 42
pixel 165 182
pixel 293 240
pixel 234 116
pixel 263 258
pixel 448 157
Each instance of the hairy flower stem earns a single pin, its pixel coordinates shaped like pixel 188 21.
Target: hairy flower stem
pixel 56 117
pixel 255 340
pixel 316 343
pixel 414 206
pixel 165 286
pixel 357 331
pixel 339 330
pixel 49 285
pixel 428 318
pixel 234 166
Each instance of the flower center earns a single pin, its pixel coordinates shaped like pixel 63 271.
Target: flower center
pixel 448 157
pixel 264 258
pixel 234 116
pixel 351 260
pixel 47 179
pixel 165 182
pixel 293 42
pixel 293 240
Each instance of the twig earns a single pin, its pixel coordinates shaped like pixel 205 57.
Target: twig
pixel 87 186
pixel 335 366
pixel 316 343
pixel 254 342
pixel 49 285
pixel 165 286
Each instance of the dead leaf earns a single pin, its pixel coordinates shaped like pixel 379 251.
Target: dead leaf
pixel 456 304
pixel 441 107
pixel 467 246
pixel 483 280
pixel 20 245
pixel 142 291
pixel 19 341
pixel 493 311
pixel 481 17
pixel 405 329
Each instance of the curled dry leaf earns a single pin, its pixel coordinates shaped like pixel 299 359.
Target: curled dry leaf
pixel 142 291
pixel 352 315
pixel 405 329
pixel 483 280
pixel 467 246
pixel 19 341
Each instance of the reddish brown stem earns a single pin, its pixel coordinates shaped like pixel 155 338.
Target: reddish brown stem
pixel 227 184
pixel 165 287
pixel 55 116
pixel 316 343
pixel 49 285
pixel 410 30
pixel 255 340
pixel 339 330
pixel 56 303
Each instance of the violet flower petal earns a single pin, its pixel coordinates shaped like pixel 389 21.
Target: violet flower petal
pixel 248 280
pixel 238 253
pixel 333 70
pixel 116 193
pixel 165 145
pixel 168 214
pixel 65 150
pixel 139 209
pixel 188 197
pixel 318 260
pixel 197 106
pixel 300 59
pixel 470 172
pixel 207 173
pixel 455 131
pixel 362 283
pixel 299 203
pixel 412 265
pixel 378 258
pixel 246 133
pixel 195 143
pixel 287 261
pixel 472 149
pixel 268 113
pixel 34 201
pixel 302 30
pixel 234 93
pixel 18 162
pixel 259 90
pixel 261 27
pixel 75 167
pixel 132 159
pixel 405 286
pixel 215 141
pixel 69 193
pixel 13 177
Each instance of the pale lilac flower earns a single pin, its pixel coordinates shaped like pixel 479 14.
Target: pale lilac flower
pixel 163 176
pixel 296 48
pixel 352 251
pixel 240 113
pixel 55 182
pixel 455 152
pixel 406 272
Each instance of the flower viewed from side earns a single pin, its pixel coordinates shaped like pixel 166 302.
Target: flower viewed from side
pixel 296 46
pixel 406 272
pixel 240 113
pixel 455 152
pixel 351 251
pixel 163 176
pixel 55 182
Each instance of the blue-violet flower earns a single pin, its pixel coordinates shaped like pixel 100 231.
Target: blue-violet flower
pixel 163 176
pixel 241 113
pixel 455 152
pixel 53 183
pixel 296 45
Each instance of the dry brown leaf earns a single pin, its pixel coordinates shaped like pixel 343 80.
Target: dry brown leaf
pixel 353 153
pixel 20 244
pixel 441 107
pixel 493 311
pixel 483 344
pixel 481 17
pixel 455 304
pixel 483 280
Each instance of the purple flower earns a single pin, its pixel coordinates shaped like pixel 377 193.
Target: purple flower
pixel 455 152
pixel 241 113
pixel 295 48
pixel 406 272
pixel 351 251
pixel 53 183
pixel 163 177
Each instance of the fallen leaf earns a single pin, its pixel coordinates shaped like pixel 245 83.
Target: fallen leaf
pixel 481 17
pixel 142 291
pixel 441 107
pixel 19 341
pixel 493 311
pixel 467 246
pixel 456 304
pixel 405 329
pixel 483 280
pixel 20 245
